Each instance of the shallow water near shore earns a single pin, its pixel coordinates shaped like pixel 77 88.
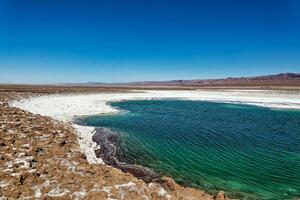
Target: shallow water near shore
pixel 248 151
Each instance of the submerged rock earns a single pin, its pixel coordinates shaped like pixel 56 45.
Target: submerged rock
pixel 107 140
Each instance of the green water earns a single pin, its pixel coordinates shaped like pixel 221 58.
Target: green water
pixel 249 152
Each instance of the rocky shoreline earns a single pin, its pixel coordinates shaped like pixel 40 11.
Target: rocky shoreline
pixel 40 159
pixel 108 152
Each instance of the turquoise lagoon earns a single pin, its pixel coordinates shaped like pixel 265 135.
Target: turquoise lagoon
pixel 250 152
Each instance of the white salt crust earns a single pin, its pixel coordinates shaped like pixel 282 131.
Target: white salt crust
pixel 65 107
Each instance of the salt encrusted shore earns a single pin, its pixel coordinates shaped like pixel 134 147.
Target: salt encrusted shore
pixel 40 158
pixel 66 107
pixel 118 185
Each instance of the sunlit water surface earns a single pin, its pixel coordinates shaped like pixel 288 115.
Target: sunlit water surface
pixel 248 151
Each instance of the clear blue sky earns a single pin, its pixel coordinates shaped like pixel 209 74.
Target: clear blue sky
pixel 51 41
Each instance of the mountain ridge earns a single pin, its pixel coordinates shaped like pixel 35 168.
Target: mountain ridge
pixel 277 79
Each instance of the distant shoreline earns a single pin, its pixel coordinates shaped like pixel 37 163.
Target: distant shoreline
pixel 58 88
pixel 275 81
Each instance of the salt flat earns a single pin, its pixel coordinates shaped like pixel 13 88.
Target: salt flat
pixel 65 107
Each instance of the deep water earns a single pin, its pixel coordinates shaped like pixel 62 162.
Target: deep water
pixel 248 151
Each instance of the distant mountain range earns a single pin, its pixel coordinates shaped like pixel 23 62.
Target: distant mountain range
pixel 282 79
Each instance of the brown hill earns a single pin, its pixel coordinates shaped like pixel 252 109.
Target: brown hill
pixel 282 79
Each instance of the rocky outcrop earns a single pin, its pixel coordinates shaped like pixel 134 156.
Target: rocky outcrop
pixel 40 159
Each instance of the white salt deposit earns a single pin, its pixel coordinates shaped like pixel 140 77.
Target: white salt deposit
pixel 127 186
pixel 79 195
pixel 163 193
pixel 38 189
pixel 65 107
pixel 4 184
pixel 57 192
pixel 87 146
